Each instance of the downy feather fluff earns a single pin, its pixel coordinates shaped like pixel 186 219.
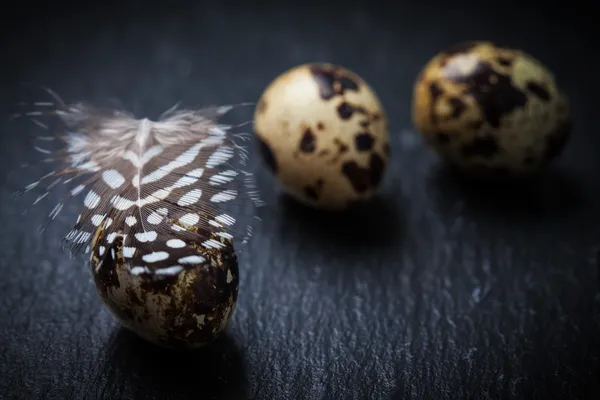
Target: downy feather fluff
pixel 159 186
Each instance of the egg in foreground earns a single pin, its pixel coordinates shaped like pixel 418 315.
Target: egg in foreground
pixel 491 110
pixel 323 134
pixel 183 311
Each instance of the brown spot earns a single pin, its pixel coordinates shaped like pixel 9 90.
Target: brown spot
pixel 311 193
pixel 539 90
pixel 261 106
pixel 557 139
pixel 345 110
pixel 363 179
pixel 458 107
pixel 342 147
pixel 133 297
pixel 435 91
pixel 323 152
pixel 505 61
pixel 376 117
pixel 495 100
pixel 486 147
pixel 364 124
pixel 308 143
pixel 268 156
pixel 320 125
pixel 348 83
pixel 363 141
pixel 332 81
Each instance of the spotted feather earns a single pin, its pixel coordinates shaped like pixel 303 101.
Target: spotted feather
pixel 152 190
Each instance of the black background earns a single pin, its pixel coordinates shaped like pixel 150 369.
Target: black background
pixel 440 290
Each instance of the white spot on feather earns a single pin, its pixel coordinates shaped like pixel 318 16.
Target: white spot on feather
pixel 113 178
pixel 121 203
pixel 191 260
pixel 189 178
pixel 157 216
pixel 225 235
pixel 128 252
pixel 155 256
pixel 222 177
pixel 139 270
pixel 83 237
pixel 212 244
pixel 146 236
pixel 189 219
pixel 97 219
pixel 184 159
pixel 190 198
pixel 223 196
pixel 219 157
pixel 225 219
pixel 175 243
pixel 173 270
pixel 91 200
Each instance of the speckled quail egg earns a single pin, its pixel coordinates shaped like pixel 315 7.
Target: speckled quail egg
pixel 324 135
pixel 183 311
pixel 491 110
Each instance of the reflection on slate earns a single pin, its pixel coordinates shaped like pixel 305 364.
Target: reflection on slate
pixel 441 288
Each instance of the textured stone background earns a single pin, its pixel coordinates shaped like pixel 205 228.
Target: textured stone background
pixel 439 291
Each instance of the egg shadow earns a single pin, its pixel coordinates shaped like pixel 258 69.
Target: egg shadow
pixel 550 193
pixel 377 223
pixel 212 372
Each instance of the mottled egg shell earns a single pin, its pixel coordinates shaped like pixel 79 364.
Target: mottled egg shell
pixel 184 311
pixel 487 109
pixel 324 135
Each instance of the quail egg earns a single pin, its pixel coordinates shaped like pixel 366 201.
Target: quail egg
pixel 183 311
pixel 323 134
pixel 491 110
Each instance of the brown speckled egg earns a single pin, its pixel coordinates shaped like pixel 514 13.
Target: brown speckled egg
pixel 183 311
pixel 487 109
pixel 324 135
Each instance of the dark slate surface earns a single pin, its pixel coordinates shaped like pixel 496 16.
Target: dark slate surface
pixel 439 291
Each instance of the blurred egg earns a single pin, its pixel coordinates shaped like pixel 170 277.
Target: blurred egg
pixel 491 110
pixel 324 135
